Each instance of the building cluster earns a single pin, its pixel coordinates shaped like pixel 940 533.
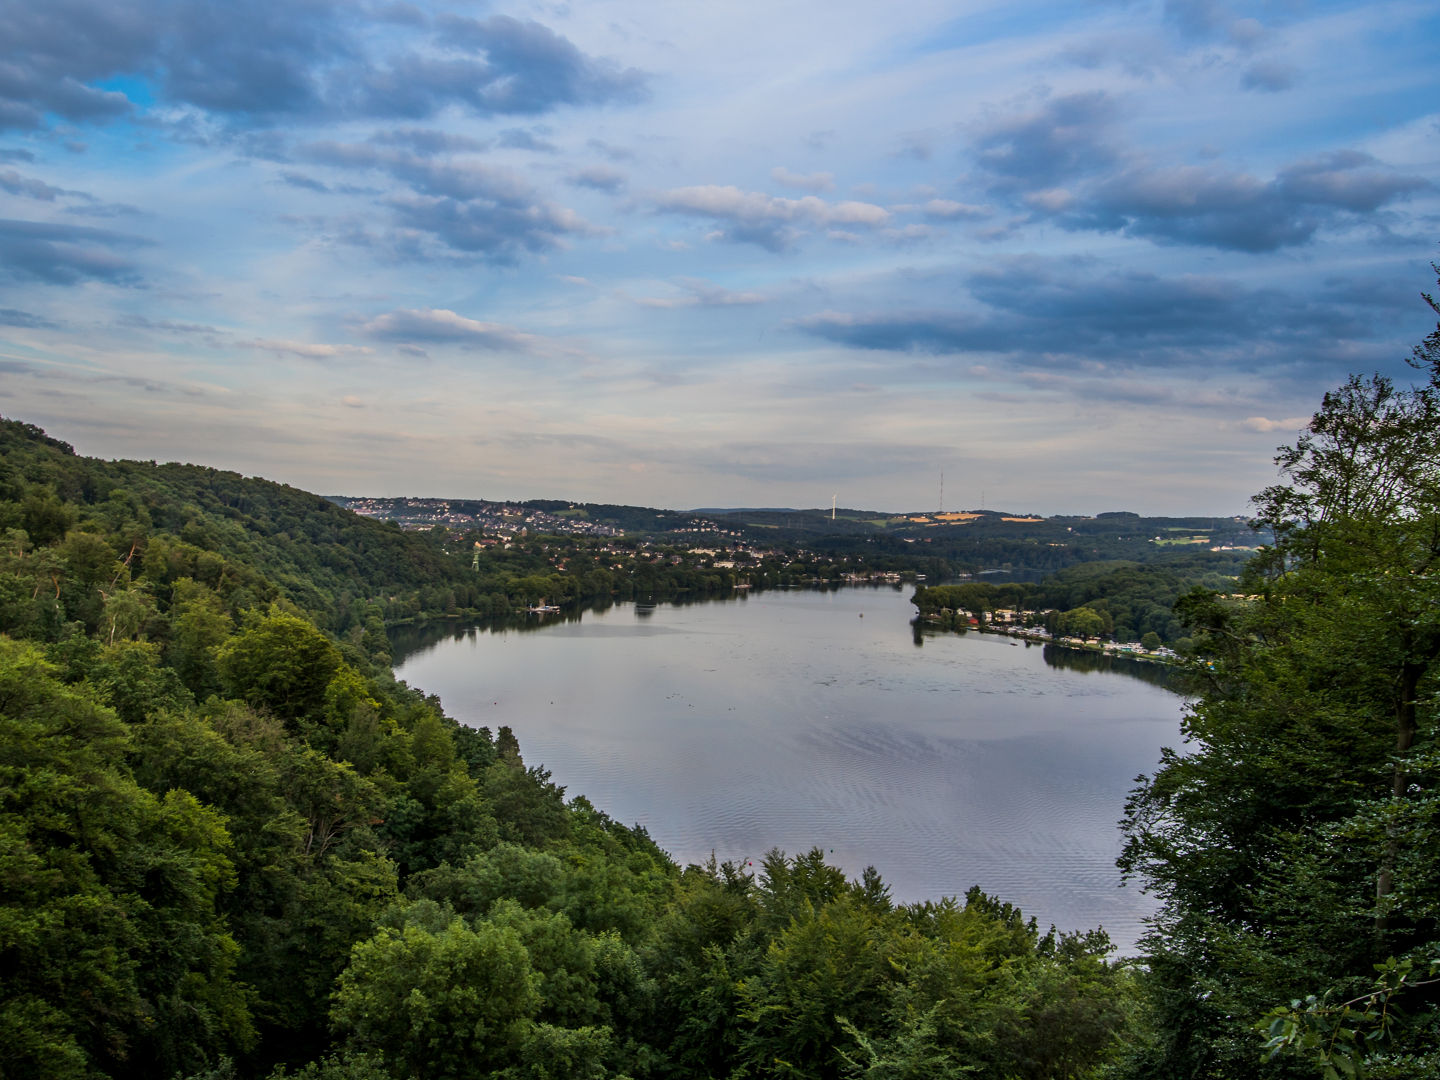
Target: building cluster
pixel 1031 625
pixel 499 519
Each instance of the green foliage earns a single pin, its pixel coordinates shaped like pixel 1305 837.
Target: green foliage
pixel 1294 844
pixel 439 1003
pixel 1339 1037
pixel 116 955
pixel 1129 599
pixel 281 663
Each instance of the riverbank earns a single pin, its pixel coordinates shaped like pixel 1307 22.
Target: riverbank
pixel 1039 635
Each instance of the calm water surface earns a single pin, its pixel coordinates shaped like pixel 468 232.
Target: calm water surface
pixel 797 719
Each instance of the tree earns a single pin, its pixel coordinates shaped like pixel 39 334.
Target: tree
pixel 282 663
pixel 117 961
pixel 438 1002
pixel 1292 847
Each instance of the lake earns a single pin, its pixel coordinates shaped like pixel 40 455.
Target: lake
pixel 796 719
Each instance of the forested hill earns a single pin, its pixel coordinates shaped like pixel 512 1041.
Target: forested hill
pixel 250 539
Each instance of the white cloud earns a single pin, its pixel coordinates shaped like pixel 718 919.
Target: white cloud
pixel 440 325
pixel 306 350
pixel 1264 424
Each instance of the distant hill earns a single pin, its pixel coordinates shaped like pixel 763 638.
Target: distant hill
pixel 261 538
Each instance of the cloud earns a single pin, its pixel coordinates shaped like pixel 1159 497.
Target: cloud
pixel 306 350
pixel 811 462
pixel 168 326
pixel 520 139
pixel 1210 206
pixel 813 182
pixel 16 155
pixel 700 293
pixel 66 254
pixel 497 228
pixel 439 326
pixel 1264 425
pixel 1268 76
pixel 1197 18
pixel 1346 180
pixel 25 320
pixel 306 183
pixel 611 151
pixel 269 63
pixel 464 206
pixel 303 60
pixel 948 210
pixel 1064 138
pixel 28 186
pixel 1054 317
pixel 766 220
pixel 498 66
pixel 429 142
pixel 597 177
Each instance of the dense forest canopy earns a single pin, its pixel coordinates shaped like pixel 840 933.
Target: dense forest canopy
pixel 233 846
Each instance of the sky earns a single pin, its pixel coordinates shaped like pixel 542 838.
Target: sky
pixel 1071 256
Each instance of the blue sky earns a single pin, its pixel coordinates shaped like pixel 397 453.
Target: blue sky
pixel 1078 256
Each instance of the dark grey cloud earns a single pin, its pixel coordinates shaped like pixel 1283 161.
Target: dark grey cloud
pixel 1197 18
pixel 1268 76
pixel 769 221
pixel 16 155
pixel 429 142
pixel 1346 180
pixel 520 139
pixel 533 69
pixel 496 229
pixel 1061 161
pixel 66 254
pixel 598 178
pixel 458 206
pixel 1054 317
pixel 28 186
pixel 1063 138
pixel 270 61
pixel 1211 207
pixel 286 59
pixel 305 183
pixel 24 319
pixel 498 66
pixel 399 14
pixel 50 52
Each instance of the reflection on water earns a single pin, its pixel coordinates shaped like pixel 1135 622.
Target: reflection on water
pixel 1077 660
pixel 796 718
